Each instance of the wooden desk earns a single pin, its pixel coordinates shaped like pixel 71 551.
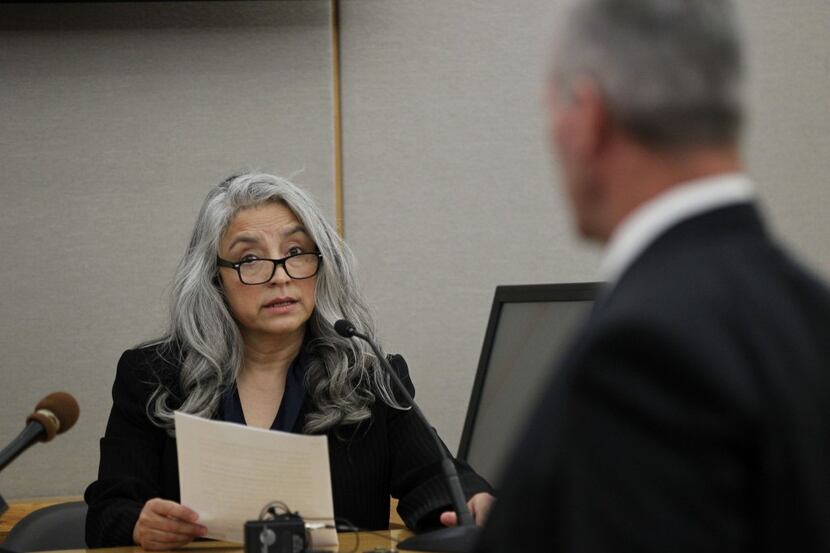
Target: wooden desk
pixel 19 508
pixel 381 542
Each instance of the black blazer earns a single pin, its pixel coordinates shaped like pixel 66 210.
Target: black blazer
pixel 691 415
pixel 392 453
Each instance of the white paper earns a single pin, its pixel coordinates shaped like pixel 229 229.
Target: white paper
pixel 228 472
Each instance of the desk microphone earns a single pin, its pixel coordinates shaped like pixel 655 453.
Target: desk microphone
pixel 54 414
pixel 458 539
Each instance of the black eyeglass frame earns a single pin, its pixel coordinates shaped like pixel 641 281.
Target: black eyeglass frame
pixel 237 266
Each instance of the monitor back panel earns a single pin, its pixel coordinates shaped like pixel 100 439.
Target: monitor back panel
pixel 529 329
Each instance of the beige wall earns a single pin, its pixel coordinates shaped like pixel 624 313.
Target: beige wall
pixel 116 118
pixel 450 189
pixel 788 144
pixel 449 186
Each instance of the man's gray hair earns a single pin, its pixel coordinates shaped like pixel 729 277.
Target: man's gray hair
pixel 670 71
pixel 204 341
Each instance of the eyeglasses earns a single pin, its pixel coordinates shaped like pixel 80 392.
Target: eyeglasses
pixel 260 270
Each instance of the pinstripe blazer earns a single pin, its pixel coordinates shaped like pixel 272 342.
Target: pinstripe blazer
pixel 692 413
pixel 390 454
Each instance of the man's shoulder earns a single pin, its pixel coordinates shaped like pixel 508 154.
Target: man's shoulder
pixel 710 308
pixel 723 265
pixel 709 265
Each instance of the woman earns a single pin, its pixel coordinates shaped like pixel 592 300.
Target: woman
pixel 250 341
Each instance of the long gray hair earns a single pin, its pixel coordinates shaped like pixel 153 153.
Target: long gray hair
pixel 207 340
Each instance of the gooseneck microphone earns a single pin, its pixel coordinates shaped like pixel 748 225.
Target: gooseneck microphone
pixel 53 415
pixel 458 539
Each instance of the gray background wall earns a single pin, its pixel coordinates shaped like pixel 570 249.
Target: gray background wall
pixel 117 118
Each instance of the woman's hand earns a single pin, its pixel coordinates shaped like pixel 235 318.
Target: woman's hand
pixel 479 505
pixel 165 524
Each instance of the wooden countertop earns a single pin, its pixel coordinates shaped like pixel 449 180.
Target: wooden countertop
pixel 19 508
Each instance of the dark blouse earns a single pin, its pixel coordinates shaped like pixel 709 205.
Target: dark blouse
pixel 292 399
pixel 389 454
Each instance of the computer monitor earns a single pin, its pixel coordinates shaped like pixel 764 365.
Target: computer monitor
pixel 528 330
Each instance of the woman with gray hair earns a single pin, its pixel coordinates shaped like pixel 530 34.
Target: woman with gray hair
pixel 251 341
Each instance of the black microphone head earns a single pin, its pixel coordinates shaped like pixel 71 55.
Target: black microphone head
pixel 344 328
pixel 57 412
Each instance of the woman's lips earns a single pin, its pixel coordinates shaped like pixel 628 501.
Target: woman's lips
pixel 281 305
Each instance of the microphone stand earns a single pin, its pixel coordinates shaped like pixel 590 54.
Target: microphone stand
pixel 9 453
pixel 457 539
pixel 21 443
pixel 5 459
pixel 54 414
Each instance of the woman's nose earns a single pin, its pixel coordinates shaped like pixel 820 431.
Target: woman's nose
pixel 280 275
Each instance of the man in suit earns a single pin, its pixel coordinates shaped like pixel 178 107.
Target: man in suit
pixel 692 413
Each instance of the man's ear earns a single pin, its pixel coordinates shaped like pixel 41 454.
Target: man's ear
pixel 593 126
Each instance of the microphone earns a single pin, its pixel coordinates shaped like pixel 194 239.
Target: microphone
pixel 345 329
pixel 53 415
pixel 458 539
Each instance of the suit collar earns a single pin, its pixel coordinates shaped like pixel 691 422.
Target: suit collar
pixel 653 219
pixel 740 221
